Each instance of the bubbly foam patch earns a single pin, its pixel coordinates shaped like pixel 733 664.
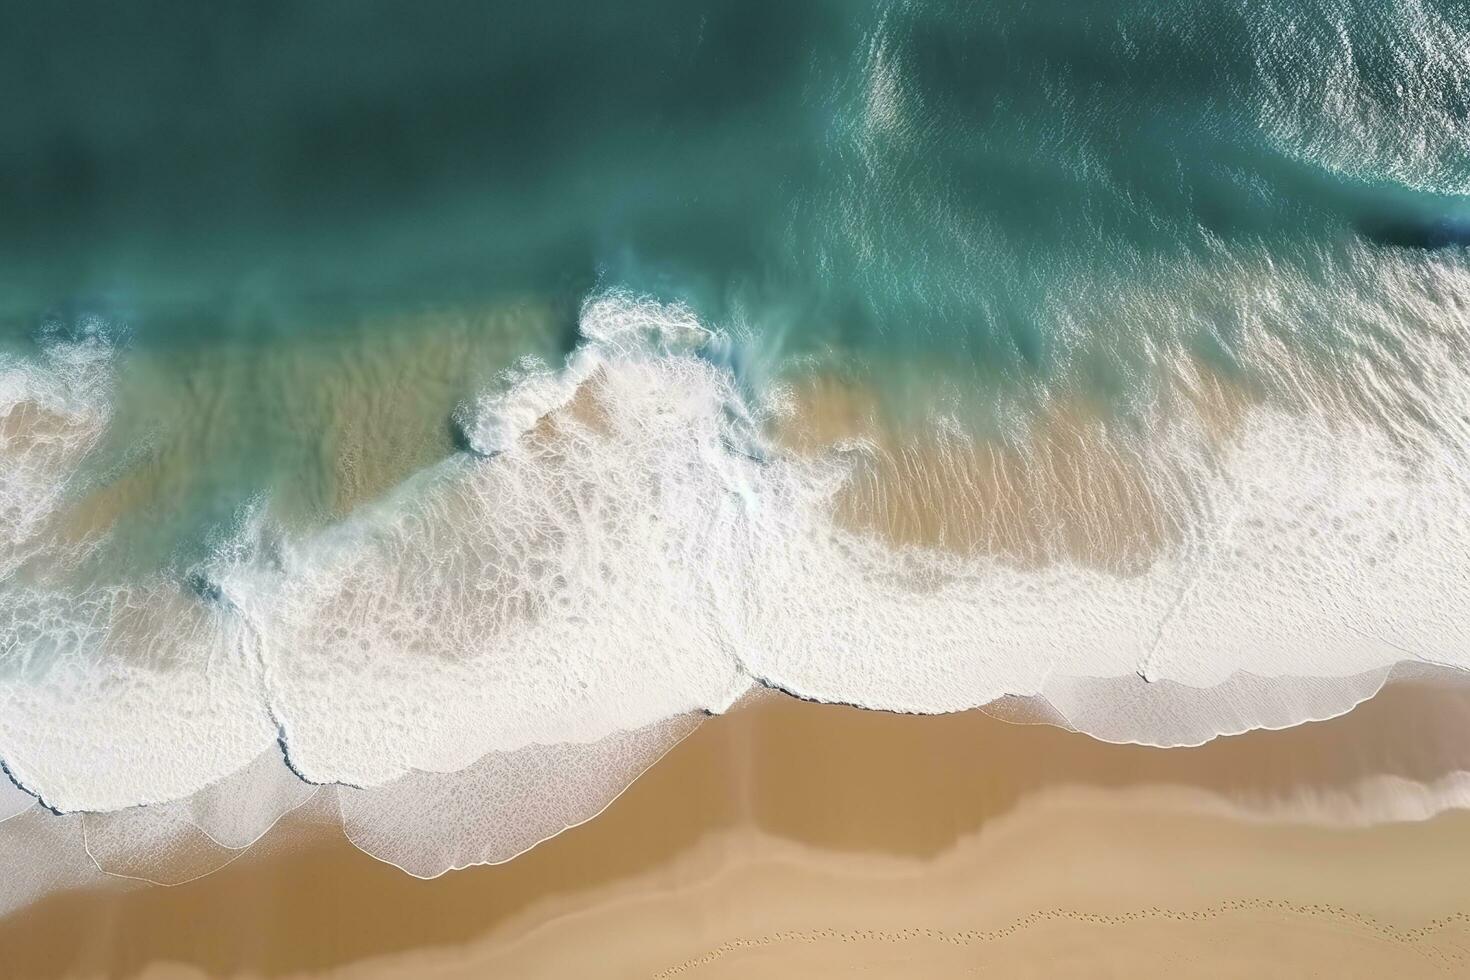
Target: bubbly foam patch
pixel 116 696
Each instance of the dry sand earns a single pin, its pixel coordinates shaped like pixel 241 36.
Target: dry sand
pixel 802 840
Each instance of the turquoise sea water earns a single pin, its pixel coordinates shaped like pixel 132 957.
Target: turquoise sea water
pixel 272 278
pixel 883 190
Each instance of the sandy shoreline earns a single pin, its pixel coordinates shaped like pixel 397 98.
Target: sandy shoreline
pixel 795 839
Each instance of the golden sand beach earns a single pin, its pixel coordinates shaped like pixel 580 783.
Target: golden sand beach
pixel 801 840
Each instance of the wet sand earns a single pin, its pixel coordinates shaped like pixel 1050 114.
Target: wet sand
pixel 1076 487
pixel 795 839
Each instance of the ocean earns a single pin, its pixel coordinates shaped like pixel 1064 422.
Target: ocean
pixel 390 394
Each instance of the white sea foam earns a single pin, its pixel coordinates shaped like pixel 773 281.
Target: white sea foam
pixel 565 589
pixel 614 555
pixel 610 328
pixel 1169 714
pixel 1327 538
pixel 112 697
